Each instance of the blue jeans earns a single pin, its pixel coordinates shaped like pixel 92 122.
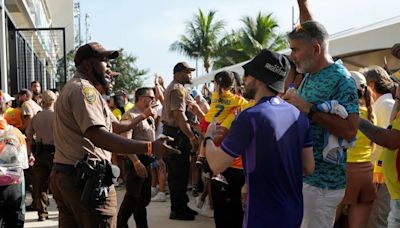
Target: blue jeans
pixel 394 215
pixel 12 205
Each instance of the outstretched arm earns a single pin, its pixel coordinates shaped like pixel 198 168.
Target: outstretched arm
pixel 305 14
pixel 389 138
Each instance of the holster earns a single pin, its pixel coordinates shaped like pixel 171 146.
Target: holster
pixel 176 134
pixel 96 177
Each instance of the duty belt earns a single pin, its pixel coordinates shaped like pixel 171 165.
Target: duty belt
pixel 63 168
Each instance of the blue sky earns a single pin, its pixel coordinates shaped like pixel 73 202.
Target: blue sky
pixel 146 29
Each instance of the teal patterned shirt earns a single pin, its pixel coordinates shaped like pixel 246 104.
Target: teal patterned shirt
pixel 331 83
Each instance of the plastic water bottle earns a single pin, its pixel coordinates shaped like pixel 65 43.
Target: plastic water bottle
pixel 291 88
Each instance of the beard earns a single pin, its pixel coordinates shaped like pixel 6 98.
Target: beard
pixel 101 78
pixel 249 93
pixel 305 66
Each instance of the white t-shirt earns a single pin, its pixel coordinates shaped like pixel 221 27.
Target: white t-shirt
pixel 382 108
pixel 159 128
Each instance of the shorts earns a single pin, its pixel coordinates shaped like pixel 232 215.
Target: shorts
pixel 359 186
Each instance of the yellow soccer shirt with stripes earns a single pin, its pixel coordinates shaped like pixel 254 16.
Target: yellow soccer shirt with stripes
pixel 222 105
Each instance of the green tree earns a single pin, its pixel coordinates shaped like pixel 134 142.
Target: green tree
pixel 60 76
pixel 201 37
pixel 257 33
pixel 131 77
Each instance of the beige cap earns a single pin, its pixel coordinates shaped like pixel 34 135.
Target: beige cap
pixel 49 97
pixel 360 80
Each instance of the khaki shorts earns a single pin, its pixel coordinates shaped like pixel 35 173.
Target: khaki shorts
pixel 359 186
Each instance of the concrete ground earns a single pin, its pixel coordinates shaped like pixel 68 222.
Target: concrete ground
pixel 157 214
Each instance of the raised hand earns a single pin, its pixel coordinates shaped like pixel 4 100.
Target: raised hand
pixel 161 147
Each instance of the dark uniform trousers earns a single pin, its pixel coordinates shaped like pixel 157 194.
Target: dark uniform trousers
pixel 228 210
pixel 178 166
pixel 42 168
pixel 74 213
pixel 136 199
pixel 12 203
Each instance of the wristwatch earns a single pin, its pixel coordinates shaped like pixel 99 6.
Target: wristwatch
pixel 205 140
pixel 312 111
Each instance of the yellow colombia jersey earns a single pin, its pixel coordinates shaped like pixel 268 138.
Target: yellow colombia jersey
pixel 361 152
pixel 222 105
pixel 390 169
pixel 229 119
pixel 117 113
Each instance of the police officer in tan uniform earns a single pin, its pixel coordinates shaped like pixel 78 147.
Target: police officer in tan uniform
pixel 176 125
pixel 42 126
pixel 137 167
pixel 83 129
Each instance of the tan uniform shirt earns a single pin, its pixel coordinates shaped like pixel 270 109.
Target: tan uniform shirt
pixel 79 107
pixel 30 108
pixel 144 130
pixel 42 126
pixel 176 98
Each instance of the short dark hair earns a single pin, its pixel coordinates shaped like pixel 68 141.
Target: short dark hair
pixel 141 92
pixel 224 79
pixel 34 82
pixel 26 92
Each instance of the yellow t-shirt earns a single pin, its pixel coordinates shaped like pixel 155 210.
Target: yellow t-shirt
pixel 361 152
pixel 223 105
pixel 117 113
pixel 128 106
pixel 229 119
pixel 390 171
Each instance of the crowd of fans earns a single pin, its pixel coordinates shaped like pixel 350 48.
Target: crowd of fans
pixel 297 141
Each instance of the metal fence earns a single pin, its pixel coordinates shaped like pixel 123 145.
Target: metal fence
pixel 40 55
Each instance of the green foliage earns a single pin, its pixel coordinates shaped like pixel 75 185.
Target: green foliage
pixel 247 42
pixel 131 77
pixel 201 37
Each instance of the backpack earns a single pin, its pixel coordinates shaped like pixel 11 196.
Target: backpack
pixel 13 158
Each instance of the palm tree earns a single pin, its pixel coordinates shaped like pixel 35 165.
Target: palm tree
pixel 201 38
pixel 244 44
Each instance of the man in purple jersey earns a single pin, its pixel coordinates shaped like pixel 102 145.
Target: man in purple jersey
pixel 274 140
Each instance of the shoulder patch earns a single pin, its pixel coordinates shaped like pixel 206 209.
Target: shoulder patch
pixel 181 91
pixel 89 93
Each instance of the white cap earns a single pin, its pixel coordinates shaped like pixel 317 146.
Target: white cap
pixel 359 79
pixel 6 97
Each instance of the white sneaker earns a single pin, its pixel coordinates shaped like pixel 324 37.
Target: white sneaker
pixel 207 212
pixel 154 191
pixel 199 202
pixel 160 197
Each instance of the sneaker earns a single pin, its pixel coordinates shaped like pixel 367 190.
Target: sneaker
pixel 159 197
pixel 195 193
pixel 200 161
pixel 43 218
pixel 154 191
pixel 180 216
pixel 220 178
pixel 190 211
pixel 207 212
pixel 199 203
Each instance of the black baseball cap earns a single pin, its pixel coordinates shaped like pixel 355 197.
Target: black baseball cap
pixel 269 67
pixel 182 66
pixel 93 49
